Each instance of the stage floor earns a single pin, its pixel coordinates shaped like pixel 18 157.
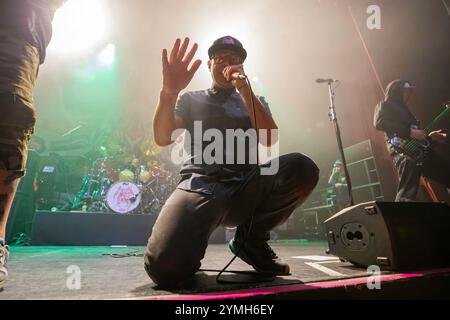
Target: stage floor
pixel 50 273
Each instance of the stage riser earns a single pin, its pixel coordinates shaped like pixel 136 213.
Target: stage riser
pixel 96 229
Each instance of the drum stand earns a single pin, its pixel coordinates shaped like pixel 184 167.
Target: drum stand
pixel 92 192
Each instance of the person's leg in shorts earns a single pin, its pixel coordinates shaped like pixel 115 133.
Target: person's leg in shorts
pixel 14 137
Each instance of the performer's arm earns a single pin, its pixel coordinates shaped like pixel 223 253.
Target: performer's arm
pixel 332 179
pixel 176 76
pixel 264 119
pixel 165 121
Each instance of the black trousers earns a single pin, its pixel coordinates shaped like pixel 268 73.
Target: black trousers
pixel 437 169
pixel 180 236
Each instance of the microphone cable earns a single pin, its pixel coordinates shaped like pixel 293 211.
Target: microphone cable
pixel 264 278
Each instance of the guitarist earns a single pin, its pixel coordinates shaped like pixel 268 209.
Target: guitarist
pixel 394 118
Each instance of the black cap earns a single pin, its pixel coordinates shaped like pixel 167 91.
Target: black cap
pixel 227 43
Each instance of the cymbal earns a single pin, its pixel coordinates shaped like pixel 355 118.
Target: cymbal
pixel 149 148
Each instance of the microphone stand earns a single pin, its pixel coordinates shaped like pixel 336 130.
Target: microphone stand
pixel 333 118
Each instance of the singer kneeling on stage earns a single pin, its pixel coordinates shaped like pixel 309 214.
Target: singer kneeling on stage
pixel 221 193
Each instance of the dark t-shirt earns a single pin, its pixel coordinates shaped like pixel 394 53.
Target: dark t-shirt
pixel 220 110
pixel 31 20
pixel 25 32
pixel 394 120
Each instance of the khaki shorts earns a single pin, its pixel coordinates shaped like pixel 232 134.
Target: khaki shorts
pixel 16 130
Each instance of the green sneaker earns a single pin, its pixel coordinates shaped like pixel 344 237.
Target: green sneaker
pixel 260 256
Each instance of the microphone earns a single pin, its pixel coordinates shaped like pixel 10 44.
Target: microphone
pixel 238 75
pixel 320 80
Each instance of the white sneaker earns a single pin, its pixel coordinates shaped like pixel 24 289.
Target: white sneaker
pixel 4 254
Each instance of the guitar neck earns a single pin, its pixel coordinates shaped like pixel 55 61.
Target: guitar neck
pixel 435 123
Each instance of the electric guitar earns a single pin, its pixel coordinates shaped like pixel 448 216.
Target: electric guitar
pixel 420 150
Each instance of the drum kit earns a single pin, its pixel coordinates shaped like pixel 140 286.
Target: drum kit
pixel 133 188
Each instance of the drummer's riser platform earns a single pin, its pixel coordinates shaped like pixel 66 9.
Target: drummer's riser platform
pixel 98 229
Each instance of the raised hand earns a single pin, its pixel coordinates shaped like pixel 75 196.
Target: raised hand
pixel 176 71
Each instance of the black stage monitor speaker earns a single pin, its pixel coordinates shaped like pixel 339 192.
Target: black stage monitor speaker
pixel 392 235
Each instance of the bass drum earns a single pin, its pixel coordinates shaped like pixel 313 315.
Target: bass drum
pixel 123 197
